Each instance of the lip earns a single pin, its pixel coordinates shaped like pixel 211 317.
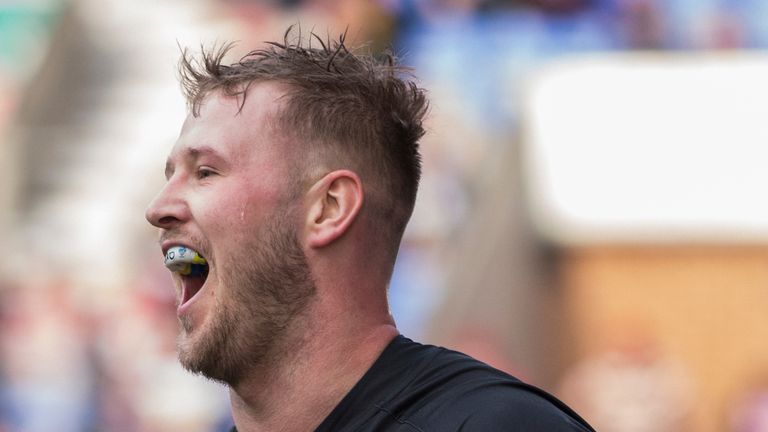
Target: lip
pixel 184 307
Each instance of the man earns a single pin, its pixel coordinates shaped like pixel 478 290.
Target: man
pixel 291 184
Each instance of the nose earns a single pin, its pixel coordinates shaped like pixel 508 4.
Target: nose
pixel 168 209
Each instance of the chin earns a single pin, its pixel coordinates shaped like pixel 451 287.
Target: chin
pixel 204 346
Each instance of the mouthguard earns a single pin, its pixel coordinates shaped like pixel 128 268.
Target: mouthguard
pixel 185 261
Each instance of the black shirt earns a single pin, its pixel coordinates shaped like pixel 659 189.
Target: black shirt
pixel 422 388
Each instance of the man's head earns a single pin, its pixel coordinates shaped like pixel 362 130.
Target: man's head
pixel 340 110
pixel 288 138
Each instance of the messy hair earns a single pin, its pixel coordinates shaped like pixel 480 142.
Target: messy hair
pixel 349 110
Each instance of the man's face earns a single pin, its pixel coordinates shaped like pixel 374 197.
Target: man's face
pixel 229 197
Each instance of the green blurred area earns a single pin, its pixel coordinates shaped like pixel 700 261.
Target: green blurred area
pixel 24 28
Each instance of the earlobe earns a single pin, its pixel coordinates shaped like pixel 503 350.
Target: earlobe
pixel 335 202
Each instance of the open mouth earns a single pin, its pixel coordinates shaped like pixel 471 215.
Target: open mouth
pixel 190 266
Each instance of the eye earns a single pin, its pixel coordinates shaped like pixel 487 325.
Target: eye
pixel 204 172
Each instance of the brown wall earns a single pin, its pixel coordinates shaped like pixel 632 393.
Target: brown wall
pixel 706 307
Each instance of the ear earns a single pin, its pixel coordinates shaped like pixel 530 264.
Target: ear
pixel 334 202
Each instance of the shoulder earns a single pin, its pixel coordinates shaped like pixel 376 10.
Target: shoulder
pixel 514 409
pixel 453 391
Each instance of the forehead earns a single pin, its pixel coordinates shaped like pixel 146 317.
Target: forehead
pixel 231 127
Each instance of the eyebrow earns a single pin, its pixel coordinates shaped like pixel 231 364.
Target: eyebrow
pixel 190 154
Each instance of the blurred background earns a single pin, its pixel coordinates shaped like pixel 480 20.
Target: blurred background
pixel 592 219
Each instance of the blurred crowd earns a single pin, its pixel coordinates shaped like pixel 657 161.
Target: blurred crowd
pixel 72 361
pixel 70 366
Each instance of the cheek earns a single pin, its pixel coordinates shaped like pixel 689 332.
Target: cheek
pixel 228 220
pixel 238 214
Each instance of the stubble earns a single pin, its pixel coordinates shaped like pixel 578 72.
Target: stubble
pixel 266 284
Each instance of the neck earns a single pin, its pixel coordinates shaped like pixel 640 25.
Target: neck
pixel 314 373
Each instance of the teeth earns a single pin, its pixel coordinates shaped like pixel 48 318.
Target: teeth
pixel 185 261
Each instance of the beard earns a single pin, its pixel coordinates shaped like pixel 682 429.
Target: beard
pixel 267 285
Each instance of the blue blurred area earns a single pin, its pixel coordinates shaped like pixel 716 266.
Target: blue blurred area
pixel 478 53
